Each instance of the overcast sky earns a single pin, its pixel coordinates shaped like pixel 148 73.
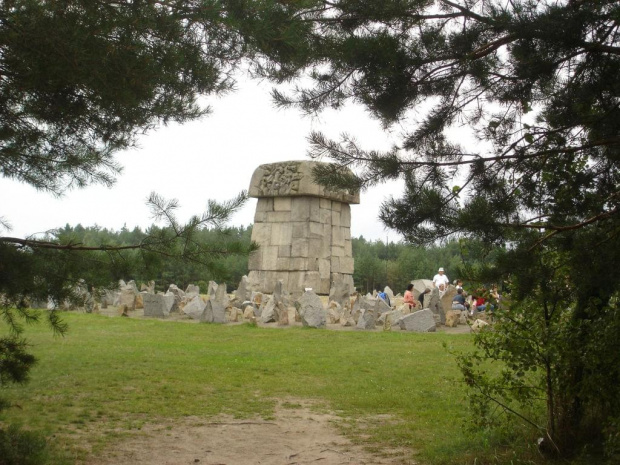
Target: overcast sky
pixel 213 158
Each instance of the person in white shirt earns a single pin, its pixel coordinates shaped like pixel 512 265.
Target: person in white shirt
pixel 441 281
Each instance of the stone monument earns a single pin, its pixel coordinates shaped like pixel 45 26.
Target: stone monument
pixel 303 230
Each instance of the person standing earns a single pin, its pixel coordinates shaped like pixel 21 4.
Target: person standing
pixel 409 300
pixel 441 281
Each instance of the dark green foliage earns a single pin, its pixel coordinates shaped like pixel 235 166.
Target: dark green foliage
pixel 535 82
pixel 21 447
pixel 100 73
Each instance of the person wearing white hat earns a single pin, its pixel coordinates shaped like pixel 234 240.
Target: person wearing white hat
pixel 441 281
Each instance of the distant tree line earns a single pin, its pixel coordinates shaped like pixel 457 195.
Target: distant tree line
pixel 377 263
pixel 166 269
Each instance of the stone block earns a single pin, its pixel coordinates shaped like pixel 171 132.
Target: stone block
pixel 281 233
pixel 298 264
pixel 325 215
pixel 324 285
pixel 283 263
pixel 155 305
pixel 301 230
pixel 284 251
pixel 346 265
pixel 335 218
pixel 255 260
pixel 260 217
pixel 282 204
pixel 347 233
pixel 337 251
pixel 300 209
pixel 345 215
pixel 314 248
pixel 326 248
pixel 335 264
pixel 338 236
pixel 300 248
pixel 348 248
pixel 324 268
pixel 264 205
pixel 270 257
pixel 317 230
pixel 325 203
pixel 315 209
pixel 313 264
pixel 261 233
pixel 277 217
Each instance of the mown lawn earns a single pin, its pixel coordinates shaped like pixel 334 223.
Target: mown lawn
pixel 112 375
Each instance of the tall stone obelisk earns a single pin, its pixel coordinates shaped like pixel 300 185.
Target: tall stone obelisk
pixel 303 230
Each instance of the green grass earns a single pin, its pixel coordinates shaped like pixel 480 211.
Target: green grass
pixel 113 375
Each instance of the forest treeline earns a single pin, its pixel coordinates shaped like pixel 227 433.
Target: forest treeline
pixel 377 263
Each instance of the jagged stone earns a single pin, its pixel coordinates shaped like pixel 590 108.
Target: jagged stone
pixel 194 308
pixel 421 321
pixel 435 305
pixel 367 319
pixel 243 292
pixel 392 316
pixel 311 310
pixel 452 318
pixel 268 312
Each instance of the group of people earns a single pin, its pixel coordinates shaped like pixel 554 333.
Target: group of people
pixel 478 302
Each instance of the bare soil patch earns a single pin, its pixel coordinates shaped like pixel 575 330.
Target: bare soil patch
pixel 296 435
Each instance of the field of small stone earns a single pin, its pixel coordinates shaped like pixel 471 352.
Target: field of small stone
pixel 121 390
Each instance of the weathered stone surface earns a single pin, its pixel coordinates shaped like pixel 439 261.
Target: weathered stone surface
pixel 334 313
pixel 170 300
pixel 311 310
pixel 293 179
pixel 446 299
pixel 282 311
pixel 280 294
pixel 139 300
pixel 268 312
pixel 212 288
pixel 214 312
pixel 150 287
pixel 192 289
pixel 194 308
pixel 340 292
pixel 248 312
pixel 221 296
pixel 155 305
pixel 303 231
pixel 421 321
pixel 127 299
pixel 421 284
pixel 452 318
pixel 234 315
pixel 244 290
pixel 389 293
pixel 435 306
pixel 347 319
pixel 392 316
pixel 367 319
pixel 381 306
pixel 478 325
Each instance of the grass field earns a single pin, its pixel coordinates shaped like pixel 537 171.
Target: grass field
pixel 109 376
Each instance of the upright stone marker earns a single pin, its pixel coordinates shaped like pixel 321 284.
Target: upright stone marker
pixel 303 230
